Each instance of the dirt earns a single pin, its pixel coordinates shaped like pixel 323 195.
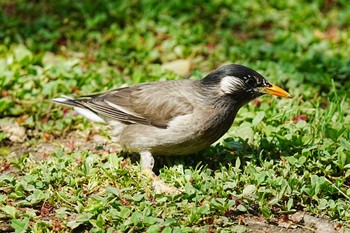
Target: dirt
pixel 299 222
pixel 74 141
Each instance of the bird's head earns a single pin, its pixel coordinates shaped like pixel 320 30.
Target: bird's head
pixel 242 83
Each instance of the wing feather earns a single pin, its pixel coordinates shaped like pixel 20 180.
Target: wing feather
pixel 150 103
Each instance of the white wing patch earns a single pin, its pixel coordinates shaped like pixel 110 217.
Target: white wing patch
pixel 89 114
pixel 230 84
pixel 121 109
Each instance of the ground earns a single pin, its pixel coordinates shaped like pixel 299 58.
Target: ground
pixel 94 142
pixel 281 159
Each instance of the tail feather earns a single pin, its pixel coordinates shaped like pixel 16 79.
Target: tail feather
pixel 79 107
pixel 66 100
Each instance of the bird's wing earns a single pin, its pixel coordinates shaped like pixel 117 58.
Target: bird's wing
pixel 151 103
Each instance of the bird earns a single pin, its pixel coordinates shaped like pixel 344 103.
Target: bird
pixel 174 117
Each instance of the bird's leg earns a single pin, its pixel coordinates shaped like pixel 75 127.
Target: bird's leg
pixel 147 163
pixel 147 160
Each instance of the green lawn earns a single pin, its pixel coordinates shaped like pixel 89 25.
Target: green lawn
pixel 281 156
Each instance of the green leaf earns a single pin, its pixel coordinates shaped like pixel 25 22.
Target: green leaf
pixel 230 185
pixel 245 132
pixel 20 226
pixel 166 230
pixel 248 190
pixel 138 197
pixel 231 203
pixel 84 217
pixel 79 220
pixel 258 118
pixel 189 189
pixel 302 160
pixel 114 161
pixel 149 221
pixel 99 222
pixel 238 163
pixel 176 229
pixel 344 143
pixel 342 159
pixel 3 198
pixel 186 229
pixel 10 210
pixel 22 54
pixel 169 221
pixel 113 190
pixel 37 196
pixel 290 204
pixel 125 212
pixel 322 204
pixel 204 209
pixel 242 208
pixel 153 229
pixel 260 177
pixel 136 218
pixel 292 160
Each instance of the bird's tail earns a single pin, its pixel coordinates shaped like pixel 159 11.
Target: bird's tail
pixel 79 107
pixel 67 100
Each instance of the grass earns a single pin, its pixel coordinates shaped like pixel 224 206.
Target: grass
pixel 280 156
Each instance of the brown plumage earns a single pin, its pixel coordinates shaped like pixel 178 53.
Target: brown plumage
pixel 174 117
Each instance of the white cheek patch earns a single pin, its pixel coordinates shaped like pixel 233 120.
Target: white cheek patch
pixel 230 84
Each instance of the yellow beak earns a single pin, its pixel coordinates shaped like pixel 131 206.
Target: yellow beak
pixel 275 90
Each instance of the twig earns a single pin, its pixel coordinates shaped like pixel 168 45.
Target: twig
pixel 344 194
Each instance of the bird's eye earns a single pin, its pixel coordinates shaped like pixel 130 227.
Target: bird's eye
pixel 250 82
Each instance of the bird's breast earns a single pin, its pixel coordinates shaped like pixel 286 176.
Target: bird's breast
pixel 184 135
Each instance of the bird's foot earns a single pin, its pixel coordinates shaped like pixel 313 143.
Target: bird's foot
pixel 147 163
pixel 159 185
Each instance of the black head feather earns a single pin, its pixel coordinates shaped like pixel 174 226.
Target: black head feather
pixel 237 81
